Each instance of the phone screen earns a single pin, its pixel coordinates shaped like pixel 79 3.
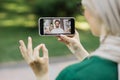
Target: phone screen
pixel 56 26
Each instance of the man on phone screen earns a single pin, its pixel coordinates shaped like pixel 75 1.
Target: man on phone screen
pixel 57 28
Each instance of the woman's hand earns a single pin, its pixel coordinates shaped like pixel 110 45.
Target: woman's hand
pixel 38 64
pixel 74 45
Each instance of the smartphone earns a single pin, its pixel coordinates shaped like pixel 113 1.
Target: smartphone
pixel 55 26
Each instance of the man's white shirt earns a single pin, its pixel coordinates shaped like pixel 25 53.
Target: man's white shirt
pixel 57 30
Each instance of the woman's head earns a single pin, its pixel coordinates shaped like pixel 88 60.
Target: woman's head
pixel 103 16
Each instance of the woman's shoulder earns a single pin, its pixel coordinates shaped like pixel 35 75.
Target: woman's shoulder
pixel 88 67
pixel 93 61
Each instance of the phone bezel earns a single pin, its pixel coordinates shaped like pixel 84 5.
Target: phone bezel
pixel 41 26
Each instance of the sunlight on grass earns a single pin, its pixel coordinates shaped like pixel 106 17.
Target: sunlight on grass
pixel 3 15
pixel 16 7
pixel 9 6
pixel 18 22
pixel 81 23
pixel 25 21
pixel 29 23
pixel 7 23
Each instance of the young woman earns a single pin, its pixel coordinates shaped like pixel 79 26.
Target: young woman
pixel 103 17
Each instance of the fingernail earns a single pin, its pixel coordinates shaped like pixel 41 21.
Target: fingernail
pixel 29 37
pixel 42 44
pixel 59 39
pixel 20 41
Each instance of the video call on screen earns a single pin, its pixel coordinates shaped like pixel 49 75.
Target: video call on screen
pixel 56 26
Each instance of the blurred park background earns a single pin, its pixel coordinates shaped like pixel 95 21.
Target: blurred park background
pixel 19 19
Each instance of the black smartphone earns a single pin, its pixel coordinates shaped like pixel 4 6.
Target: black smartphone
pixel 55 26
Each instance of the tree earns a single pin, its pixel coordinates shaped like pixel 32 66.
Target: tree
pixel 55 8
pixel 26 12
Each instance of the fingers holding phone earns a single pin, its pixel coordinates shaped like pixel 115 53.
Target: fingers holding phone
pixel 68 39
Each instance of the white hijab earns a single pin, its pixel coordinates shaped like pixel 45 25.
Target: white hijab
pixel 109 49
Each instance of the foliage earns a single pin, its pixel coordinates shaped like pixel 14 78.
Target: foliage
pixel 56 7
pixel 16 13
pixel 26 12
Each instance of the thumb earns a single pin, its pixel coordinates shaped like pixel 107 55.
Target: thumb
pixel 45 51
pixel 66 38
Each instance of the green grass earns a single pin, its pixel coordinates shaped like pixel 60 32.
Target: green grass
pixel 9 43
